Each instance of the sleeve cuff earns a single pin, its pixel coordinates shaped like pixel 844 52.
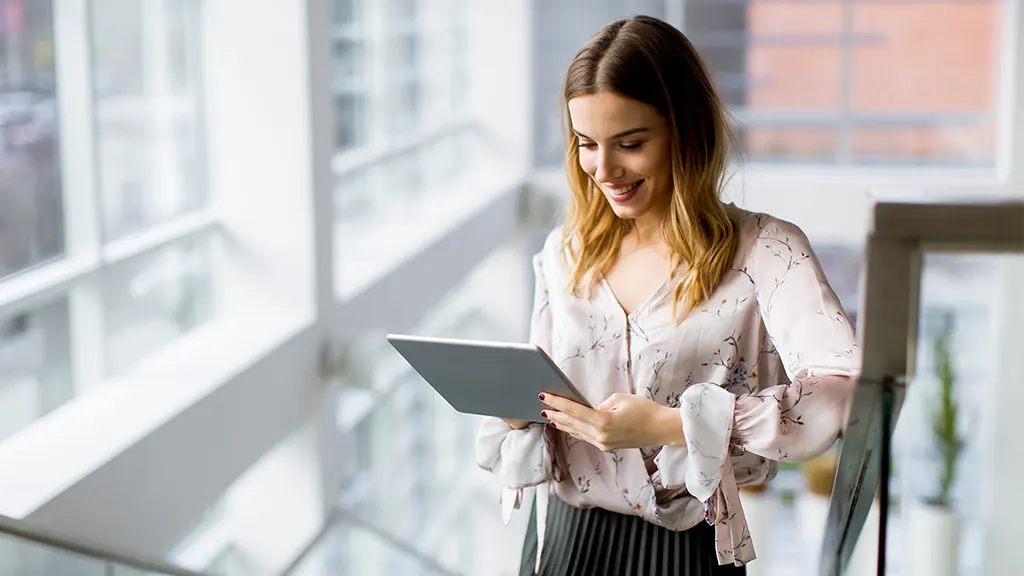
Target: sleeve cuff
pixel 708 413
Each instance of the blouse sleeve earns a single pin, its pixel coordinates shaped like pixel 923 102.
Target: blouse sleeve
pixel 521 458
pixel 795 421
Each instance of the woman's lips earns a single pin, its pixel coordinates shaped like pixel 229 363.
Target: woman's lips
pixel 626 194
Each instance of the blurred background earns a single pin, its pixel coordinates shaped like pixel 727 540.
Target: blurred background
pixel 211 212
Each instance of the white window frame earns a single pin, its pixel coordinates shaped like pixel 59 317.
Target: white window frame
pixel 265 360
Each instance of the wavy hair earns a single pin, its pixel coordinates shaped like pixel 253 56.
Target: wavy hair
pixel 650 61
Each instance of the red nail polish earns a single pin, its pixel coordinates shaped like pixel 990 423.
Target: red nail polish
pixel 541 396
pixel 544 414
pixel 552 423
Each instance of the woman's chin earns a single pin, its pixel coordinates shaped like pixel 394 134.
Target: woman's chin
pixel 627 212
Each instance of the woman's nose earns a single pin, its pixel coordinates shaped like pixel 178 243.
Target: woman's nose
pixel 607 168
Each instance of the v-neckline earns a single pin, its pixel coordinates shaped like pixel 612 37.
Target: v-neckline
pixel 649 301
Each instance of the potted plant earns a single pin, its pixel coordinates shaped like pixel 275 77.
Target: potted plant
pixel 933 526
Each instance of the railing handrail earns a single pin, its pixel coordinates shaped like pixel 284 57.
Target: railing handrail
pixel 887 334
pixel 24 531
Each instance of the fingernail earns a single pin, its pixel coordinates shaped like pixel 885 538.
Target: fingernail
pixel 544 414
pixel 541 396
pixel 553 424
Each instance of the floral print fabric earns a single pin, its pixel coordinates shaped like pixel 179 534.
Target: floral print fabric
pixel 762 372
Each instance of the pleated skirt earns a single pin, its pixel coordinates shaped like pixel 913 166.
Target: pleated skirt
pixel 597 542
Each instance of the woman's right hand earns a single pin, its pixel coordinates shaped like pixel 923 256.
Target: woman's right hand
pixel 516 424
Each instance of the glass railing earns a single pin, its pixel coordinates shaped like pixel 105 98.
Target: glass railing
pixel 354 546
pixel 927 315
pixel 29 551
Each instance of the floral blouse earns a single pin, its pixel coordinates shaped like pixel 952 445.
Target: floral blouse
pixel 759 372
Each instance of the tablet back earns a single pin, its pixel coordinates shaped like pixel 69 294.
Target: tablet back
pixel 487 378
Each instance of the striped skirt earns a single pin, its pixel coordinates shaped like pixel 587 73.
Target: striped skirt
pixel 597 542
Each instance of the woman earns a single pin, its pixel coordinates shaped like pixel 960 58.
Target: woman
pixel 706 336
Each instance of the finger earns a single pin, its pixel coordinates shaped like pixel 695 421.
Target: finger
pixel 568 428
pixel 610 402
pixel 564 421
pixel 574 409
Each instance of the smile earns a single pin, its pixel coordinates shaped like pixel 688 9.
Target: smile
pixel 624 194
pixel 630 190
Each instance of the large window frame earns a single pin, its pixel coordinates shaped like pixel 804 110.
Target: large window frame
pixel 269 371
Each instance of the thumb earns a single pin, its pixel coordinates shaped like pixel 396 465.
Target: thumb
pixel 609 403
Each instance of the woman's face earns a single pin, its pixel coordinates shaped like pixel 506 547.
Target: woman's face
pixel 624 146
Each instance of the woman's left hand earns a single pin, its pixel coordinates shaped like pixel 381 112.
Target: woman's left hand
pixel 621 421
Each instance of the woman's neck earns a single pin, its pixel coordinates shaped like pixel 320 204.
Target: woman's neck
pixel 647 229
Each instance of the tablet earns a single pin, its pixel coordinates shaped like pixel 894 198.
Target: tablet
pixel 487 378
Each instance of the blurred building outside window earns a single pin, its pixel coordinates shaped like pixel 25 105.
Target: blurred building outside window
pixel 126 264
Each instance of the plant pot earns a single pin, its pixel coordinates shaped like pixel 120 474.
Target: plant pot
pixel 933 538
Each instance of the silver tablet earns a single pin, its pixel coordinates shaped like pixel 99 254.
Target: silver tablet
pixel 487 378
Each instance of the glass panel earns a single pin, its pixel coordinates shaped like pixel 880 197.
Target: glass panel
pixel 393 205
pixel 943 439
pixel 939 66
pixel 31 213
pixel 417 480
pixel 778 65
pixel 26 558
pixel 350 549
pixel 150 301
pixel 31 559
pixel 345 11
pixel 148 114
pixel 349 110
pixel 35 366
pixel 803 78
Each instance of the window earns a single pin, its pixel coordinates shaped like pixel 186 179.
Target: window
pixel 31 203
pixel 101 266
pixel 351 85
pixel 411 470
pixel 147 112
pixel 861 82
pixel 400 89
pixel 35 365
pixel 154 299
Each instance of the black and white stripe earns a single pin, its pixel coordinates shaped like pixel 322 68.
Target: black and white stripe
pixel 597 542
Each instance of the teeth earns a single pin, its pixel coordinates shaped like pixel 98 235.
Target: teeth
pixel 628 190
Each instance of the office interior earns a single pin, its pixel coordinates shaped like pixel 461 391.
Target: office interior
pixel 213 211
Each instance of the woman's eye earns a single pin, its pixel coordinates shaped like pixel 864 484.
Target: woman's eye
pixel 588 145
pixel 630 146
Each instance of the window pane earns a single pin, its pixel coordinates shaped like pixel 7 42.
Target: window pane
pixel 350 82
pixel 31 222
pixel 24 557
pixel 151 301
pixel 937 65
pixel 405 430
pixel 348 119
pixel 778 65
pixel 345 11
pixel 878 82
pixel 35 371
pixel 148 113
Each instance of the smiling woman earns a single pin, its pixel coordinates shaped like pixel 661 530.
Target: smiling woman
pixel 707 337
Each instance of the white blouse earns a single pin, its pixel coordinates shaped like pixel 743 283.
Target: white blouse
pixel 760 373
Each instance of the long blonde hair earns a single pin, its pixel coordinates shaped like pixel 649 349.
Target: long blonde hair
pixel 650 61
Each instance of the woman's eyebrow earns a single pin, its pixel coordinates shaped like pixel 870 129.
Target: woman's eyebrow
pixel 622 134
